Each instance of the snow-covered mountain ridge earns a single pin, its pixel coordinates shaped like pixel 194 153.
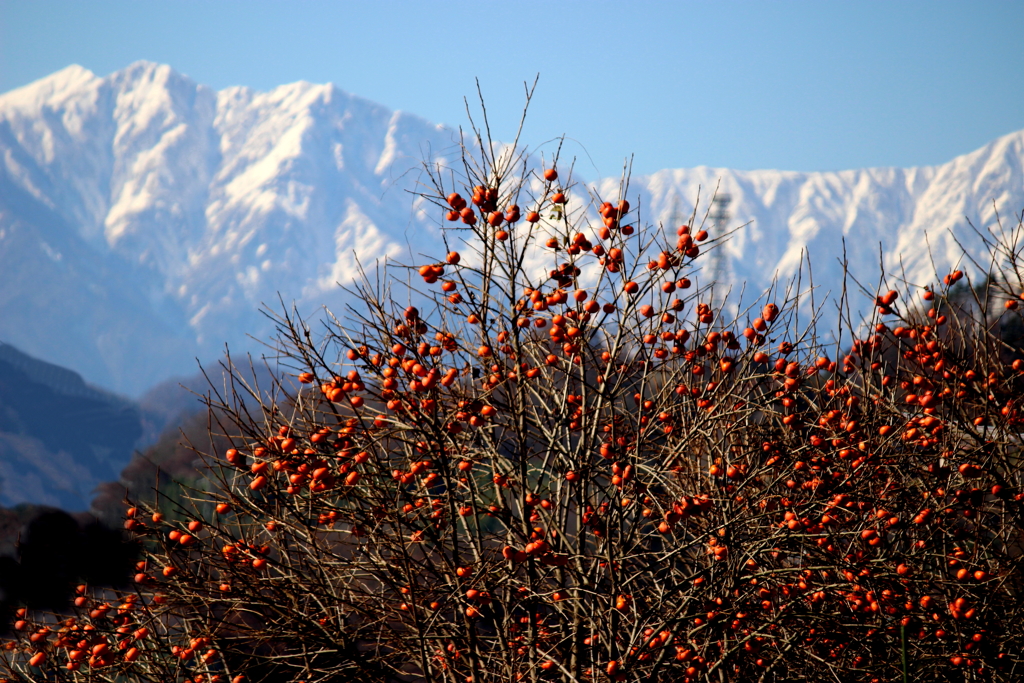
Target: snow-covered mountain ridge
pixel 909 219
pixel 144 218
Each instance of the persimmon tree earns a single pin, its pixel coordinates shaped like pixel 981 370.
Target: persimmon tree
pixel 543 454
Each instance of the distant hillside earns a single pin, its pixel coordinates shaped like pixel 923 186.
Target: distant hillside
pixel 175 419
pixel 59 437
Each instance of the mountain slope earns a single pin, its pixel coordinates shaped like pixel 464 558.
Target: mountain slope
pixel 145 218
pixel 59 437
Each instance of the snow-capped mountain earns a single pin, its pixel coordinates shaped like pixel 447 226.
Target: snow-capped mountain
pixel 913 221
pixel 144 218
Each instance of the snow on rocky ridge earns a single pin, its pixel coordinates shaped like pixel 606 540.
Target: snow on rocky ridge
pixel 144 218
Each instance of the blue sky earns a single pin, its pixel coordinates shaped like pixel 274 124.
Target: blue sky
pixel 790 85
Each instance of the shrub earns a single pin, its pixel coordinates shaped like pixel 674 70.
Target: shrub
pixel 558 460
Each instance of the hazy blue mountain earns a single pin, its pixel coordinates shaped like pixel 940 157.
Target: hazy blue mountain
pixel 59 437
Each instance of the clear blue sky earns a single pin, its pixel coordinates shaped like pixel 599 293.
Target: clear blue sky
pixel 791 85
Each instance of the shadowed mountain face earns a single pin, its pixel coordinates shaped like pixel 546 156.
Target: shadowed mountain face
pixel 145 218
pixel 59 437
pixel 68 445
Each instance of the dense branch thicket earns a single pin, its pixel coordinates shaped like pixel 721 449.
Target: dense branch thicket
pixel 566 463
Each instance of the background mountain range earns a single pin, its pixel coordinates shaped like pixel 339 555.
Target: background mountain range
pixel 144 218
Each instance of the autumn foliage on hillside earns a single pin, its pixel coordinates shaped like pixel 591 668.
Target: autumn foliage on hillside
pixel 550 456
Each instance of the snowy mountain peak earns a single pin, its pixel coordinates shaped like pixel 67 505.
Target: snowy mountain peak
pixel 144 218
pixel 51 91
